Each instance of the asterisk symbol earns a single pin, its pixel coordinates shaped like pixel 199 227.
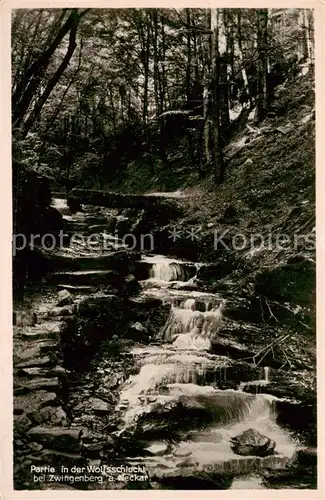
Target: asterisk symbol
pixel 193 233
pixel 175 234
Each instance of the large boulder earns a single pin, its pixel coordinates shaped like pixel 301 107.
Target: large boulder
pixel 252 442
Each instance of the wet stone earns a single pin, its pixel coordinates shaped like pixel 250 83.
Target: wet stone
pixel 76 288
pixel 252 442
pixel 158 448
pixel 35 371
pixel 60 457
pixel 112 383
pixel 64 298
pixel 86 277
pixel 181 453
pixel 137 328
pixel 94 449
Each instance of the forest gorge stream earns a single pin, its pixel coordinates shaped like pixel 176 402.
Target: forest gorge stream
pixel 174 400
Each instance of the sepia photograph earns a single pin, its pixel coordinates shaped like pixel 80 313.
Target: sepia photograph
pixel 163 249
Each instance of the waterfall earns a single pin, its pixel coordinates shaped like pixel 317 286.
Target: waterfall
pixel 167 271
pixel 178 375
pixel 190 327
pixel 60 204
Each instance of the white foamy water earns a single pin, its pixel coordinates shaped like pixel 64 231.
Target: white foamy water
pixel 175 375
pixel 166 269
pixel 267 374
pixel 60 204
pixel 213 445
pixel 190 328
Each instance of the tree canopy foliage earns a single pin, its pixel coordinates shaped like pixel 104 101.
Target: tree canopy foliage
pixel 92 89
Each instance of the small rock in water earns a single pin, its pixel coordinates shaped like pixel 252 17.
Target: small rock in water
pixel 181 453
pixel 252 442
pixel 65 298
pixel 157 448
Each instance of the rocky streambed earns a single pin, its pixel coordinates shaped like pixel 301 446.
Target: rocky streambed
pixel 127 369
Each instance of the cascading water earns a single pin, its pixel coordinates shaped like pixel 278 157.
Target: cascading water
pixel 267 374
pixel 193 323
pixel 165 269
pixel 182 375
pixel 60 204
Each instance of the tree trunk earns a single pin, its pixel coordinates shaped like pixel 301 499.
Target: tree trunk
pixel 213 149
pixel 222 54
pixel 54 80
pixel 156 76
pixel 207 94
pixel 262 98
pixel 163 69
pixel 145 36
pixel 308 36
pixel 217 154
pixel 189 58
pixel 241 58
pixel 27 87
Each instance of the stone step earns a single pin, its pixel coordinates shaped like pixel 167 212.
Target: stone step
pixel 37 353
pixel 35 371
pixel 43 361
pixel 41 331
pixel 119 260
pixel 36 384
pixel 32 402
pixel 98 277
pixel 57 458
pixel 77 288
pixel 58 438
pixel 116 260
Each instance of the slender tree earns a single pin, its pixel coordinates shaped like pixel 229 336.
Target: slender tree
pixel 262 41
pixel 27 88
